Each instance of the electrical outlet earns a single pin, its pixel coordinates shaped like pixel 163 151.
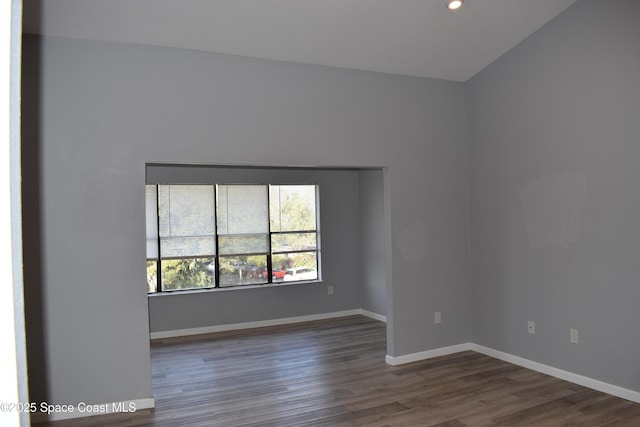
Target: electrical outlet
pixel 531 327
pixel 573 336
pixel 437 317
pixel 330 290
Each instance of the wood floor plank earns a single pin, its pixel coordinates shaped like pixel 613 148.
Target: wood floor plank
pixel 332 373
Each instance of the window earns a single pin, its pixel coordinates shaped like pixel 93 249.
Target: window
pixel 293 224
pixel 213 236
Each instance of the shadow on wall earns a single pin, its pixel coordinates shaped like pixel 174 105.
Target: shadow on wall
pixel 31 209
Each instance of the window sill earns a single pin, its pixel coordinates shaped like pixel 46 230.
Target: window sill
pixel 232 288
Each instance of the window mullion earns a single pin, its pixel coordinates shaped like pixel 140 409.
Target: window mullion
pixel 269 260
pixel 159 261
pixel 216 271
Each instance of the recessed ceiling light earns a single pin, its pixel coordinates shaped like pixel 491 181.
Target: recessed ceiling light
pixel 454 4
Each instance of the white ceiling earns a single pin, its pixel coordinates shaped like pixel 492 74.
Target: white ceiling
pixel 411 37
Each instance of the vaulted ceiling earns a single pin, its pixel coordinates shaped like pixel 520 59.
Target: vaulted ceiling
pixel 409 37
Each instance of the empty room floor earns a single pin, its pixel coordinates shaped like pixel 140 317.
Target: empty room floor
pixel 333 373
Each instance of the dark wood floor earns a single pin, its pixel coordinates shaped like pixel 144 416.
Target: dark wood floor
pixel 332 373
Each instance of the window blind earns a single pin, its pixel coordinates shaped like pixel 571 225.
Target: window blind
pixel 187 220
pixel 243 219
pixel 151 216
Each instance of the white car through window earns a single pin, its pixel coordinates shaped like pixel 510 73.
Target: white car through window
pixel 300 273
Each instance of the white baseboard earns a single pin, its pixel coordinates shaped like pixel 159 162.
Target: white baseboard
pixel 611 389
pixel 373 315
pixel 423 355
pixel 83 410
pixel 591 383
pixel 263 323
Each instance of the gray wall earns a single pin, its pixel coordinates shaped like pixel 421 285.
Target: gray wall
pixel 340 233
pixel 372 249
pixel 101 111
pixel 554 135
